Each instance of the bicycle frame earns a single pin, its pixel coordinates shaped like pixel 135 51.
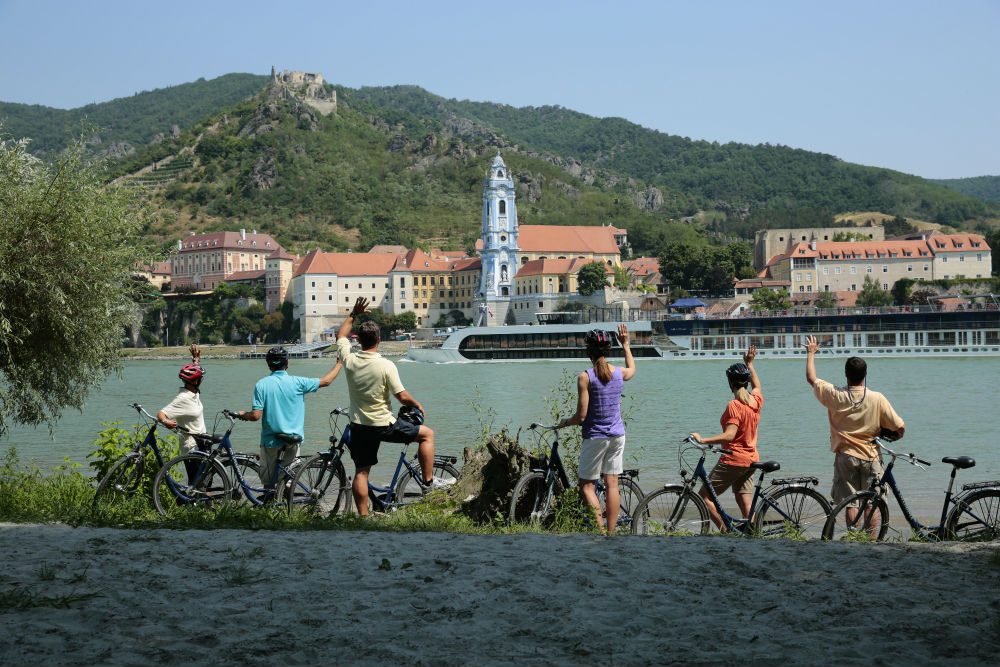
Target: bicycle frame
pixel 760 498
pixel 383 497
pixel 888 479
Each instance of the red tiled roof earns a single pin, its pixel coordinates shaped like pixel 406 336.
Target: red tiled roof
pixel 568 239
pixel 245 275
pixel 760 282
pixel 468 264
pixel 228 241
pixel 957 243
pixel 161 268
pixel 281 254
pixel 642 266
pixel 546 267
pixel 347 263
pixel 388 249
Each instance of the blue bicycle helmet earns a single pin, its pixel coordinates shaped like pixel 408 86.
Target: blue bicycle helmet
pixel 411 414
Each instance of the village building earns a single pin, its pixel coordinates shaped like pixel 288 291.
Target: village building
pixel 203 261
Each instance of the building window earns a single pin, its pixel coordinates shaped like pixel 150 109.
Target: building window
pixel 885 268
pixel 885 286
pixel 944 258
pixel 314 284
pixel 854 269
pixel 313 298
pixel 909 267
pixel 826 270
pixel 503 204
pixel 868 269
pixel 961 258
pixel 541 305
pixel 854 288
pixel 836 270
pixel 329 298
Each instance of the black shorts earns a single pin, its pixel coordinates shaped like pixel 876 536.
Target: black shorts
pixel 365 440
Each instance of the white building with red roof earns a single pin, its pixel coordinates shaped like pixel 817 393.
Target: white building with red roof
pixel 326 284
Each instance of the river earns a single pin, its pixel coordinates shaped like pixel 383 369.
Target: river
pixel 947 404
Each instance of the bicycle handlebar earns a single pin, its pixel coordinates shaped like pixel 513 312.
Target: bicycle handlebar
pixel 544 427
pixel 338 411
pixel 910 458
pixel 718 449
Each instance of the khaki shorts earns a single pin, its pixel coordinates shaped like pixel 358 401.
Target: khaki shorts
pixel 851 475
pixel 724 475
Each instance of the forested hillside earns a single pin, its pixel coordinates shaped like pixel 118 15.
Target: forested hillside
pixel 986 188
pixel 732 177
pixel 400 165
pixel 133 121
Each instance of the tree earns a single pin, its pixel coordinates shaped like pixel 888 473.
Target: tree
pixel 68 246
pixel 902 290
pixel 769 299
pixel 873 296
pixel 826 300
pixel 592 277
pixel 623 278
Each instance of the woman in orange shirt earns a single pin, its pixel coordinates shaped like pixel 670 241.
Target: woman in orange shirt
pixel 739 435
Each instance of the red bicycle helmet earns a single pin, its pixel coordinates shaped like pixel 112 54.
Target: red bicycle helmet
pixel 191 373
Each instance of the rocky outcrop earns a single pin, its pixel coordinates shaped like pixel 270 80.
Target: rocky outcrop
pixel 649 199
pixel 264 173
pixel 118 150
pixel 531 185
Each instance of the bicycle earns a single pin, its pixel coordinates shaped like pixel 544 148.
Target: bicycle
pixel 124 479
pixel 788 507
pixel 536 493
pixel 201 479
pixel 321 483
pixel 973 514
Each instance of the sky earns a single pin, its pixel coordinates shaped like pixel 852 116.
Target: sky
pixel 910 85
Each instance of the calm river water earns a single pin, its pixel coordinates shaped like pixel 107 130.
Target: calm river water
pixel 949 406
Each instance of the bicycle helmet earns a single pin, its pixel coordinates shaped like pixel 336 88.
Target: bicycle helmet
pixel 738 374
pixel 598 338
pixel 192 373
pixel 411 414
pixel 277 358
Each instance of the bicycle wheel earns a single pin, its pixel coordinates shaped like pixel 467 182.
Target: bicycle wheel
pixel 208 487
pixel 533 501
pixel 975 518
pixel 122 481
pixel 672 510
pixel 630 496
pixel 409 490
pixel 319 485
pixel 870 521
pixel 794 511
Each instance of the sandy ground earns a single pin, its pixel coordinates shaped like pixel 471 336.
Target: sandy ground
pixel 292 598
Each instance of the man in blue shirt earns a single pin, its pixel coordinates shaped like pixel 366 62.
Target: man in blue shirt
pixel 279 399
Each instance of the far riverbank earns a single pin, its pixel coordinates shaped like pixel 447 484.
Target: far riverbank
pixel 389 348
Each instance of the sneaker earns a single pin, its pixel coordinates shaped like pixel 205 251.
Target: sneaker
pixel 438 483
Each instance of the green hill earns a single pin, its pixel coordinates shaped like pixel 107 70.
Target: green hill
pixel 986 188
pixel 134 121
pixel 731 177
pixel 400 165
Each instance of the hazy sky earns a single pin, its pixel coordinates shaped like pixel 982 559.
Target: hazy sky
pixel 911 85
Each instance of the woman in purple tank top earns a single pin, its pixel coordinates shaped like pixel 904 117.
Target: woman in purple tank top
pixel 599 410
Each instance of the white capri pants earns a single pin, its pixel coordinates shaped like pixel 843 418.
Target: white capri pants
pixel 601 456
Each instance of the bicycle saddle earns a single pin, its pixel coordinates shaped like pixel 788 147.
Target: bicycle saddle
pixel 290 438
pixel 960 462
pixel 206 438
pixel 766 466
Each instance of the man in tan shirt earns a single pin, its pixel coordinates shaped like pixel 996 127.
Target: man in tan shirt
pixel 371 382
pixel 857 414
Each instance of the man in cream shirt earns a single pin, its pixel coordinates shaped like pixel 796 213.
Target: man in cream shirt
pixel 857 414
pixel 371 382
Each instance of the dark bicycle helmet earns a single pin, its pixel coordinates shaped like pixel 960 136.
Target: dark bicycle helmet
pixel 277 358
pixel 598 338
pixel 409 413
pixel 191 373
pixel 738 374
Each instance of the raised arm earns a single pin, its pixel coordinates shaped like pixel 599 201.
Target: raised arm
pixel 328 379
pixel 811 346
pixel 360 306
pixel 582 402
pixel 748 358
pixel 723 438
pixel 629 371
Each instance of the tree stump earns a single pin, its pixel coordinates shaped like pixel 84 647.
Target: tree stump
pixel 488 477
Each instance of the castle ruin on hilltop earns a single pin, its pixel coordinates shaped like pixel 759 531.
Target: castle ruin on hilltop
pixel 305 86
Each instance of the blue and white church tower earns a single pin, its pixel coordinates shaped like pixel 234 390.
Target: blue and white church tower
pixel 500 250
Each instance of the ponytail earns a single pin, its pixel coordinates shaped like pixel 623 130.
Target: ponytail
pixel 742 395
pixel 601 367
